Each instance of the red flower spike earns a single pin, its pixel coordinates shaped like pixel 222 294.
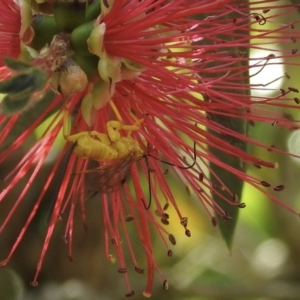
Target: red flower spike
pixel 9 27
pixel 158 68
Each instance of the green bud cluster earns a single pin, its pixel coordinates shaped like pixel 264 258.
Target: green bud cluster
pixel 75 17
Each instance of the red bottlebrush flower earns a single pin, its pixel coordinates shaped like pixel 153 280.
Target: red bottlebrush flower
pixel 10 29
pixel 140 80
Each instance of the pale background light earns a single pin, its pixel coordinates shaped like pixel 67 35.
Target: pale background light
pixel 263 80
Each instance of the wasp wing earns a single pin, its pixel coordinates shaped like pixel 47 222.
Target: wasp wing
pixel 107 178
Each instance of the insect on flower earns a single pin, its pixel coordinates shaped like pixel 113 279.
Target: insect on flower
pixel 114 152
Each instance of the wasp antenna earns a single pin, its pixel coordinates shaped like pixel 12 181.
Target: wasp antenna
pixel 147 207
pixel 94 193
pixel 180 167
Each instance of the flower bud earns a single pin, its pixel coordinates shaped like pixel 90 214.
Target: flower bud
pixel 69 14
pixel 92 11
pixel 87 63
pixel 44 28
pixel 109 68
pixel 79 38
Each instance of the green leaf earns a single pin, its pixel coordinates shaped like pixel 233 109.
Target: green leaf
pixel 235 185
pixel 39 79
pixel 10 107
pixel 16 65
pixel 21 87
pixel 28 77
pixel 30 115
pixel 17 84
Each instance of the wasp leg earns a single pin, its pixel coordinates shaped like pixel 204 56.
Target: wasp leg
pixel 102 137
pixel 116 111
pixel 136 124
pixel 66 127
pixel 75 137
pixel 66 130
pixel 114 126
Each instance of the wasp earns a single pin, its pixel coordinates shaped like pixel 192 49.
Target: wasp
pixel 114 153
